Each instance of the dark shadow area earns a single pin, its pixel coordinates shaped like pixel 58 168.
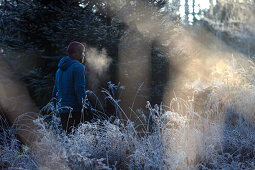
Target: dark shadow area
pixel 159 74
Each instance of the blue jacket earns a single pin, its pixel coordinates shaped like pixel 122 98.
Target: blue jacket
pixel 69 88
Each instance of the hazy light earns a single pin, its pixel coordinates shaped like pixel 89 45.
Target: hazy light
pixel 182 9
pixel 204 4
pixel 199 5
pixel 214 2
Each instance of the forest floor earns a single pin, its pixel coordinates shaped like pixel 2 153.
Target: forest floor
pixel 209 126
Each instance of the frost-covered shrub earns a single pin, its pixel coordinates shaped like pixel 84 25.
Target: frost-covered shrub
pixel 212 130
pixel 13 155
pixel 102 144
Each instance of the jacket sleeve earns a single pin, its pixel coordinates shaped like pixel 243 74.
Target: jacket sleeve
pixel 79 84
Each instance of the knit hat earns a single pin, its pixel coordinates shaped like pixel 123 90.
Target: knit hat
pixel 75 47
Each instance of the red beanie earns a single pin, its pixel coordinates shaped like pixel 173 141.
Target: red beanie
pixel 75 47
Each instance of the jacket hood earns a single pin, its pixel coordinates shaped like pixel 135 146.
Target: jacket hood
pixel 66 62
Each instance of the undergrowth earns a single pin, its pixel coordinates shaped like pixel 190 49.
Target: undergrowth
pixel 220 134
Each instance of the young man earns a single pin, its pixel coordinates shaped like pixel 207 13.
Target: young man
pixel 69 88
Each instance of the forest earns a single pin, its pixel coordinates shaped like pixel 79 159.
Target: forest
pixel 171 84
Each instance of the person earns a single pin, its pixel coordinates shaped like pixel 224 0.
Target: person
pixel 69 89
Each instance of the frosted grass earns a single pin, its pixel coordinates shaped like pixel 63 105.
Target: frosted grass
pixel 217 133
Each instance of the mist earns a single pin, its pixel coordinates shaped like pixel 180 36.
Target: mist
pixel 97 63
pixel 206 79
pixel 205 117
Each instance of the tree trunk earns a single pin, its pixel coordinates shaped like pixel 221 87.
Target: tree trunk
pixel 186 11
pixel 193 10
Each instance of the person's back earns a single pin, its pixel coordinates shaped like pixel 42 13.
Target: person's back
pixel 69 88
pixel 70 85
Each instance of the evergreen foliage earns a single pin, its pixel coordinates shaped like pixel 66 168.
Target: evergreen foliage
pixel 46 27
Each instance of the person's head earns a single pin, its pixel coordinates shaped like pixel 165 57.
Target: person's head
pixel 76 51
